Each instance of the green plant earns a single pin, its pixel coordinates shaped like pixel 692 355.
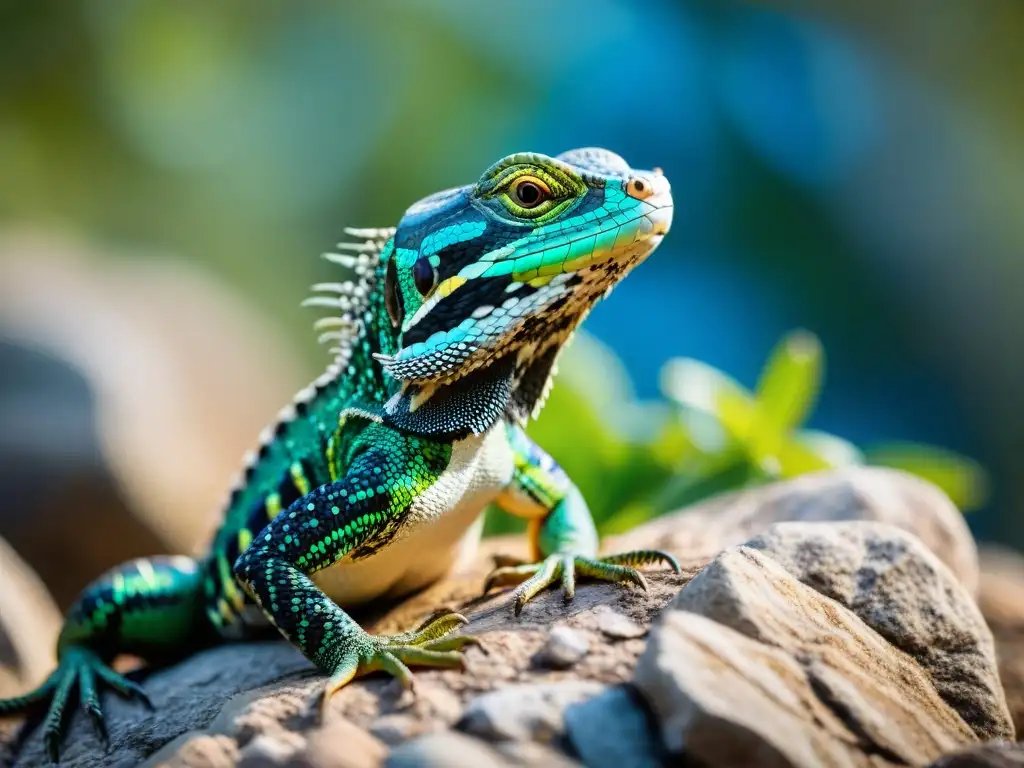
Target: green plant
pixel 635 460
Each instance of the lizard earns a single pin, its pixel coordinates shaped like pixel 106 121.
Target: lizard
pixel 445 342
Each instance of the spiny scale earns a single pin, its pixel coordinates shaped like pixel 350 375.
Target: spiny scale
pixel 352 300
pixel 349 297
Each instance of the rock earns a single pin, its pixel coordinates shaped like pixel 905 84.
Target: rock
pixel 396 728
pixel 565 646
pixel 215 705
pixel 993 755
pixel 700 532
pixel 613 729
pixel 29 625
pixel 201 751
pixel 1001 600
pixel 903 592
pixel 340 744
pixel 270 750
pixel 187 698
pixel 455 750
pixel 234 693
pixel 618 627
pixel 750 666
pixel 524 712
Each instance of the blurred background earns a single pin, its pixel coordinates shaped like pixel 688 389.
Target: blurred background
pixel 170 171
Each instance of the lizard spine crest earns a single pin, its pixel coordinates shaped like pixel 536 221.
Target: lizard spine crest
pixel 350 299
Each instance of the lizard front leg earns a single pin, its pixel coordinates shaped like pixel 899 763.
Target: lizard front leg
pixel 354 515
pixel 561 531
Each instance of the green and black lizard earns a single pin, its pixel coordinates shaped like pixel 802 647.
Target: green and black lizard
pixel 374 478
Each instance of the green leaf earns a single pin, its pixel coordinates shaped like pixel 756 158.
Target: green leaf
pixel 715 409
pixel 964 480
pixel 786 392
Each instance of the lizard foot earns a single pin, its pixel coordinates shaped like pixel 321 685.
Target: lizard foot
pixel 534 577
pixel 78 668
pixel 430 645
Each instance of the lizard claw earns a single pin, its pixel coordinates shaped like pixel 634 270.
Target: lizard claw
pixel 532 578
pixel 432 644
pixel 79 668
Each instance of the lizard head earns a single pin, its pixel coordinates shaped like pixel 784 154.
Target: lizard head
pixel 498 274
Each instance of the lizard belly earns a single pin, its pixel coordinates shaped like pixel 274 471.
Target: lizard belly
pixel 441 530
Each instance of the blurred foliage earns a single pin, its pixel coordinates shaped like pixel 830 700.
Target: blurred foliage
pixel 634 461
pixel 856 168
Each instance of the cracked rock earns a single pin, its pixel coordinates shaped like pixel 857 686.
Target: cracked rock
pixel 902 591
pixel 750 666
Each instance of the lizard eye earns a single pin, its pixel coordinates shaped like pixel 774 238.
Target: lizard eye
pixel 529 192
pixel 393 295
pixel 424 275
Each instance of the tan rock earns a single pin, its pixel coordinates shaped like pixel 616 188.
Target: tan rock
pixel 29 625
pixel 199 751
pixel 1001 600
pixel 752 667
pixel 340 744
pixel 455 750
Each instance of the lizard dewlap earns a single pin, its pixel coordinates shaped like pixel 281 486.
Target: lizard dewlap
pixel 444 342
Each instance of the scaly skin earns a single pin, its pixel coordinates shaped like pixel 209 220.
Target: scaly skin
pixel 445 344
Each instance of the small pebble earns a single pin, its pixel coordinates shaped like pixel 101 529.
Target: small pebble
pixel 395 728
pixel 618 627
pixel 268 750
pixel 565 647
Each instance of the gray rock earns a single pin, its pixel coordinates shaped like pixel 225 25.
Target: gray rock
pixel 614 729
pixel 618 627
pixel 270 750
pixel 902 591
pixel 753 667
pixel 527 712
pixel 455 750
pixel 397 727
pixel 564 647
pixel 995 754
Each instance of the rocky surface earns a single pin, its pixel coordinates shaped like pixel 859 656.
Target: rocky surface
pixel 896 586
pixel 831 640
pixel 751 666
